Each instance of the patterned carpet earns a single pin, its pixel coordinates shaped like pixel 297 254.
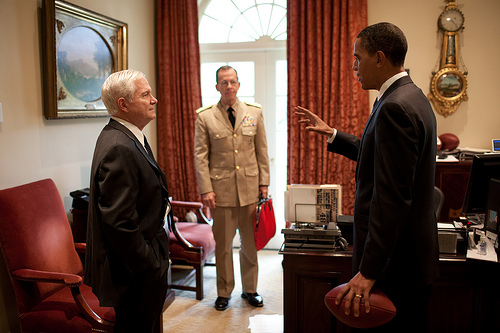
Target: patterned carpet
pixel 188 315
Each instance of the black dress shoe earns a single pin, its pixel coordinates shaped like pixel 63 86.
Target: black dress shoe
pixel 221 303
pixel 254 299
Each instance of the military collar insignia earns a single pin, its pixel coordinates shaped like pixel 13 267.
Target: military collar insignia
pixel 203 108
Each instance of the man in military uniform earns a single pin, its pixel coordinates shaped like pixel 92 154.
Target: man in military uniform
pixel 232 168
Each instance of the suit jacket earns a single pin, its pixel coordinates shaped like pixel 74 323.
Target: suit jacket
pixel 231 162
pixel 395 232
pixel 126 241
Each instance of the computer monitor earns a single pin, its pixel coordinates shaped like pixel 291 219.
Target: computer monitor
pixel 484 168
pixel 495 145
pixel 492 207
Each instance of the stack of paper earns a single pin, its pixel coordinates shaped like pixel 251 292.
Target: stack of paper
pixel 313 203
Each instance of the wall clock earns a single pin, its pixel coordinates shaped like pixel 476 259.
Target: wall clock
pixel 449 83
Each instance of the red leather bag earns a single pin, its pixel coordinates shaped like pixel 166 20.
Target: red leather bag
pixel 264 223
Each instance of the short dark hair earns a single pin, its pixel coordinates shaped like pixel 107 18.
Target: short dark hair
pixel 385 37
pixel 224 68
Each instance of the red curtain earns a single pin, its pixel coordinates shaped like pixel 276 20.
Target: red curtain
pixel 321 35
pixel 179 94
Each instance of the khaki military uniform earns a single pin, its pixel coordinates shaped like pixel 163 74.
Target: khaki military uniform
pixel 233 163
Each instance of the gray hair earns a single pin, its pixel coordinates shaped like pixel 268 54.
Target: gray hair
pixel 117 85
pixel 224 68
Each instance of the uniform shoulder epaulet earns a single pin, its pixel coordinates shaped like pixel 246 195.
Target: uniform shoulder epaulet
pixel 203 108
pixel 254 105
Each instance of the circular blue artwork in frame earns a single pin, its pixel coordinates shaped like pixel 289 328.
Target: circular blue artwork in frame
pixel 84 61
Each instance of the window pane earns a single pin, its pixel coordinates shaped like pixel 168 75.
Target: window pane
pixel 281 97
pixel 265 17
pixel 246 76
pixel 249 99
pixel 278 15
pixel 281 123
pixel 223 10
pixel 244 4
pixel 243 21
pixel 252 15
pixel 208 79
pixel 212 31
pixel 280 32
pixel 281 78
pixel 243 30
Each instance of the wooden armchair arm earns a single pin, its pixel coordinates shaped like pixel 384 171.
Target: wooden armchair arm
pixel 186 245
pixel 25 274
pixel 72 281
pixel 192 205
pixel 187 204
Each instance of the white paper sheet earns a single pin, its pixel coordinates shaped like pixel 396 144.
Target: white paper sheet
pixel 266 324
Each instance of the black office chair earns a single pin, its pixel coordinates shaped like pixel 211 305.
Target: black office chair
pixel 438 202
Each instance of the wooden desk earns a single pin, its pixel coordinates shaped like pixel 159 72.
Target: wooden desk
pixel 464 299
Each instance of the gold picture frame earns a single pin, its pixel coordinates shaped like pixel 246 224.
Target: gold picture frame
pixel 80 49
pixel 448 90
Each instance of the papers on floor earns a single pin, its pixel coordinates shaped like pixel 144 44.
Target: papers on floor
pixel 266 323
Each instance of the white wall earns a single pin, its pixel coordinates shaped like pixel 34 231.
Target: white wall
pixel 31 147
pixel 476 121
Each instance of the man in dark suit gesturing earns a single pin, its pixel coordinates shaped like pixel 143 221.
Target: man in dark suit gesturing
pixel 395 232
pixel 127 246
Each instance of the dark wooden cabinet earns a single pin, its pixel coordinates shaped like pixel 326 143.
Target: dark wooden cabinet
pixel 464 298
pixel 307 278
pixel 452 178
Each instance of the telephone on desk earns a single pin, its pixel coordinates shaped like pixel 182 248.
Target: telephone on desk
pixel 472 220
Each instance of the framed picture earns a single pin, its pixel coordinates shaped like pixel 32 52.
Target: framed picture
pixel 81 49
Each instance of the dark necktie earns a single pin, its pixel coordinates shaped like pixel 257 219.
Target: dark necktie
pixel 164 191
pixel 231 115
pixel 148 149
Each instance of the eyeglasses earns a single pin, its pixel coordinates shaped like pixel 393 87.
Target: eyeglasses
pixel 226 83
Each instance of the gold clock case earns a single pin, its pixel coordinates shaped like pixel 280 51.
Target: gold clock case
pixel 449 84
pixel 448 89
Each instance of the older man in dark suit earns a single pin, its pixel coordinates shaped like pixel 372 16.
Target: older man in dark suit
pixel 395 233
pixel 127 246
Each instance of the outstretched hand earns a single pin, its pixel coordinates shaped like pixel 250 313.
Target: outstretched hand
pixel 313 122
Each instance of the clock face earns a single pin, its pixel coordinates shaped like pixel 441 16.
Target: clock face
pixel 451 20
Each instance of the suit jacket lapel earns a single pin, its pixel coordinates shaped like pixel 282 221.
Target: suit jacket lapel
pixel 161 175
pixel 378 105
pixel 402 81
